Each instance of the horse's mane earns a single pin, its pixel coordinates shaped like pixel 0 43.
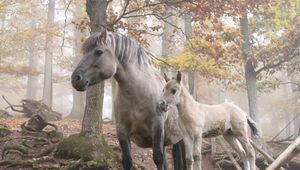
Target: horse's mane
pixel 126 49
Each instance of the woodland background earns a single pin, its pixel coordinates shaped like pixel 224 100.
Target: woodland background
pixel 242 51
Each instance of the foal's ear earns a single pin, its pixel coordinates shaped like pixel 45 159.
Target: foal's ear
pixel 166 77
pixel 178 78
pixel 102 39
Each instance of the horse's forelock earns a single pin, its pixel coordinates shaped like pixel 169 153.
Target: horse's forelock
pixel 90 43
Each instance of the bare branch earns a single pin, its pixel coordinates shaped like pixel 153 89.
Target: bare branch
pixel 269 66
pixel 65 24
pixel 122 14
pixel 12 106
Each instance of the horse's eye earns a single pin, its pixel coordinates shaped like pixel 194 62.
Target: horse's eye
pixel 173 91
pixel 98 52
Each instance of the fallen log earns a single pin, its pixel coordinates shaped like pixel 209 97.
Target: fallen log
pixel 224 147
pixel 31 107
pixel 291 151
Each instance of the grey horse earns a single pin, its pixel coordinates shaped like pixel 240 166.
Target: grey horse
pixel 138 117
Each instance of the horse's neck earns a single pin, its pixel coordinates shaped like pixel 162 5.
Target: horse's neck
pixel 187 103
pixel 137 81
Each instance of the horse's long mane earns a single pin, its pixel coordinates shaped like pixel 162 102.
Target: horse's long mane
pixel 127 50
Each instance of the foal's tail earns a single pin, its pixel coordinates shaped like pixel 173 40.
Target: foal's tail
pixel 178 152
pixel 253 126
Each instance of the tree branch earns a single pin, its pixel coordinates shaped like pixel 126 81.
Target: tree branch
pixel 269 66
pixel 12 106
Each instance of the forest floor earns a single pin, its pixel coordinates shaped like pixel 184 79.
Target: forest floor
pixel 142 157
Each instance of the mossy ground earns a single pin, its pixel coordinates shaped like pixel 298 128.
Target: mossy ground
pixel 93 151
pixel 4 131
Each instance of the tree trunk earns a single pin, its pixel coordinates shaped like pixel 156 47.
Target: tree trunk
pixel 78 105
pixel 290 152
pixel 296 91
pixel 90 140
pixel 78 97
pixel 250 73
pixel 114 89
pixel 92 120
pixel 295 94
pixel 167 35
pixel 188 31
pixel 32 79
pixel 47 91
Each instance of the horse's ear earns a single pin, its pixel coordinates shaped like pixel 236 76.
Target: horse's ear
pixel 102 39
pixel 178 78
pixel 166 77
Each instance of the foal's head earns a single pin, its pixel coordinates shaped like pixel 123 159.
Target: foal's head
pixel 98 62
pixel 171 92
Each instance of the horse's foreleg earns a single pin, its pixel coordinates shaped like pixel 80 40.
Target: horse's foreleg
pixel 236 145
pixel 165 160
pixel 158 142
pixel 124 142
pixel 197 152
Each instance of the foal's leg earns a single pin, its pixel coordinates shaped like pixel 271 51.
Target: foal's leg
pixel 250 152
pixel 125 147
pixel 189 147
pixel 197 152
pixel 236 145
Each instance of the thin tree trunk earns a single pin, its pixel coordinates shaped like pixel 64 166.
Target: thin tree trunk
pixel 250 73
pixel 92 120
pixel 114 88
pixel 188 31
pixel 167 36
pixel 3 17
pixel 290 152
pixel 78 97
pixel 47 91
pixel 32 79
pixel 78 105
pixel 295 97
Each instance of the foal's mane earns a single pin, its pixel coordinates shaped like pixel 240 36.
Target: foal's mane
pixel 127 50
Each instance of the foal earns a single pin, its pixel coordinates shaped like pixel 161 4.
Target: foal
pixel 200 120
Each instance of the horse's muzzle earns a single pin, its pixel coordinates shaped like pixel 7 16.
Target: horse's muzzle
pixel 163 106
pixel 79 82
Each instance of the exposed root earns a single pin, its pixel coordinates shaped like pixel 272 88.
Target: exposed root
pixel 34 163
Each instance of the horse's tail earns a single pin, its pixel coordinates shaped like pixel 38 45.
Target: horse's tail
pixel 253 126
pixel 178 153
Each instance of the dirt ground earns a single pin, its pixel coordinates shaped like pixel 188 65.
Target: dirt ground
pixel 142 157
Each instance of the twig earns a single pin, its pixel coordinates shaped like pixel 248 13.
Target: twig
pixel 268 157
pixel 12 106
pixel 285 127
pixel 289 138
pixel 65 24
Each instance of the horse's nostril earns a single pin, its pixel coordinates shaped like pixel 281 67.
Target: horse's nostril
pixel 162 103
pixel 78 77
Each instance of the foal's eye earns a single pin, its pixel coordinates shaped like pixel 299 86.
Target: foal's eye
pixel 173 91
pixel 98 52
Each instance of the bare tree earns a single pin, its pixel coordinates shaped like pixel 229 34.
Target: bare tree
pixel 47 91
pixel 32 79
pixel 78 97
